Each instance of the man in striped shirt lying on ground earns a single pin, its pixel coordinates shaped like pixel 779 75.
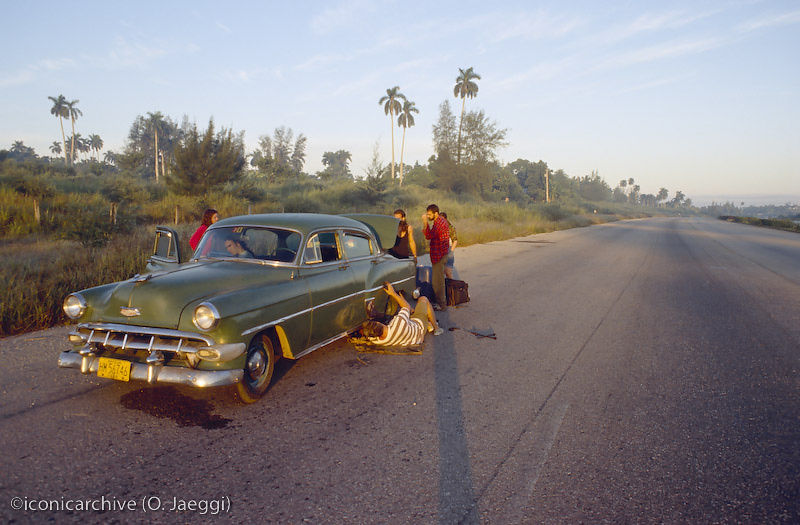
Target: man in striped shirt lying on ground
pixel 406 328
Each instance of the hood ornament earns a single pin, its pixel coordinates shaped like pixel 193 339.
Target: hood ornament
pixel 129 311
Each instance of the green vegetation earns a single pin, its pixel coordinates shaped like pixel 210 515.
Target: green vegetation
pixel 67 223
pixel 778 224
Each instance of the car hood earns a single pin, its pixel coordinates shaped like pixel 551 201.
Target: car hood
pixel 158 299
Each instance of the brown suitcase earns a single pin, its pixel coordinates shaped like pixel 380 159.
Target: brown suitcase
pixel 457 292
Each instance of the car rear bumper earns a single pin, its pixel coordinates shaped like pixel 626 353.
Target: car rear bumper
pixel 157 373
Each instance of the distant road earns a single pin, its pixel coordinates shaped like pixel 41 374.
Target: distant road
pixel 643 371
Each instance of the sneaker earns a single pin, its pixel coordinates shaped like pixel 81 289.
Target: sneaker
pixel 438 331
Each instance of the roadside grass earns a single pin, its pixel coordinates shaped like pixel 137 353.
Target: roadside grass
pixel 40 271
pixel 776 224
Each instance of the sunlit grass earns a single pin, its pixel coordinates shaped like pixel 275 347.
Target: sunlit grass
pixel 40 268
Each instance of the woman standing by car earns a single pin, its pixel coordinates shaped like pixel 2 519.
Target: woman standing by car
pixel 210 216
pixel 404 245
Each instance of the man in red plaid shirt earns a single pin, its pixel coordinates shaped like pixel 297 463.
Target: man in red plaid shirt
pixel 439 235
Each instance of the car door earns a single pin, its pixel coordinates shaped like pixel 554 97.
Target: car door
pixel 363 254
pixel 166 250
pixel 332 286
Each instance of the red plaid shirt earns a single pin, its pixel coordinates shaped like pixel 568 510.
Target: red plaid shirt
pixel 439 236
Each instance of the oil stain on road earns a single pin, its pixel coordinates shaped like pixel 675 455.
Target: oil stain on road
pixel 168 403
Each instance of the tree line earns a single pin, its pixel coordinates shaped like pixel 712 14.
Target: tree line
pixel 189 160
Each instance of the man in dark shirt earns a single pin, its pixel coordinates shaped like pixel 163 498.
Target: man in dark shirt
pixel 438 233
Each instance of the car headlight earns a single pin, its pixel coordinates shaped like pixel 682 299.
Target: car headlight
pixel 74 305
pixel 205 316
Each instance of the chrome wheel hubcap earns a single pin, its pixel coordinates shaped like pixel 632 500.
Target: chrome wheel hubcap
pixel 256 365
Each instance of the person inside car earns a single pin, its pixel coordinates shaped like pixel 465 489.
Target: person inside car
pixel 237 248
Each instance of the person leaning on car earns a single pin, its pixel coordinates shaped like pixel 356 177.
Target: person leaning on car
pixel 210 216
pixel 407 327
pixel 439 235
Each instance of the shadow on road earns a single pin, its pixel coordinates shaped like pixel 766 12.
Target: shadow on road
pixel 456 496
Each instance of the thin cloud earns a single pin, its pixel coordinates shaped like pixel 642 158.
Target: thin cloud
pixel 223 27
pixel 322 61
pixel 32 72
pixel 645 24
pixel 652 84
pixel 57 64
pixel 17 79
pixel 783 19
pixel 345 14
pixel 661 52
pixel 541 72
pixel 328 60
pixel 528 26
pixel 124 54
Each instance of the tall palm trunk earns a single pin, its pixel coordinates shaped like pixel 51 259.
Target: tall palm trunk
pixel 63 139
pixel 72 146
pixel 391 121
pixel 402 150
pixel 460 124
pixel 156 153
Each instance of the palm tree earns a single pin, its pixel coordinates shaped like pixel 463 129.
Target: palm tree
pixel 74 113
pixel 465 87
pixel 59 109
pixel 663 194
pixel 96 143
pixel 83 144
pixel 391 106
pixel 406 120
pixel 156 122
pixel 55 148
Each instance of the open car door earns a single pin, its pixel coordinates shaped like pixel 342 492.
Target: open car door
pixel 166 250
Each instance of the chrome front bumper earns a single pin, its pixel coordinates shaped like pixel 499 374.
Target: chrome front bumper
pixel 157 373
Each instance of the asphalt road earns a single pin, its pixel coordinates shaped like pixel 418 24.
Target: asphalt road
pixel 643 371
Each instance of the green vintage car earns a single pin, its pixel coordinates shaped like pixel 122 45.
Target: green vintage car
pixel 257 288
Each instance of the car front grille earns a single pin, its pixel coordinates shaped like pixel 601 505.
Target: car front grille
pixel 129 339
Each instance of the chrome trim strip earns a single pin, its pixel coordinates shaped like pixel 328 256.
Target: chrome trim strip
pixel 320 345
pixel 307 310
pixel 163 374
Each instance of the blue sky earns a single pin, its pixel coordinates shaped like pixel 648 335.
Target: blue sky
pixel 702 97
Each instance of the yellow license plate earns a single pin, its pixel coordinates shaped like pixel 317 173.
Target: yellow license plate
pixel 114 369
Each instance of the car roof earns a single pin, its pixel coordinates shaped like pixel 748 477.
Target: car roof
pixel 302 222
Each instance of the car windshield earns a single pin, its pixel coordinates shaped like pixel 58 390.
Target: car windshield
pixel 245 242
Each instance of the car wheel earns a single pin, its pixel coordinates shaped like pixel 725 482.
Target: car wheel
pixel 258 368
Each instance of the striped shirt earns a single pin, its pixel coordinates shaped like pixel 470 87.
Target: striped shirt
pixel 404 330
